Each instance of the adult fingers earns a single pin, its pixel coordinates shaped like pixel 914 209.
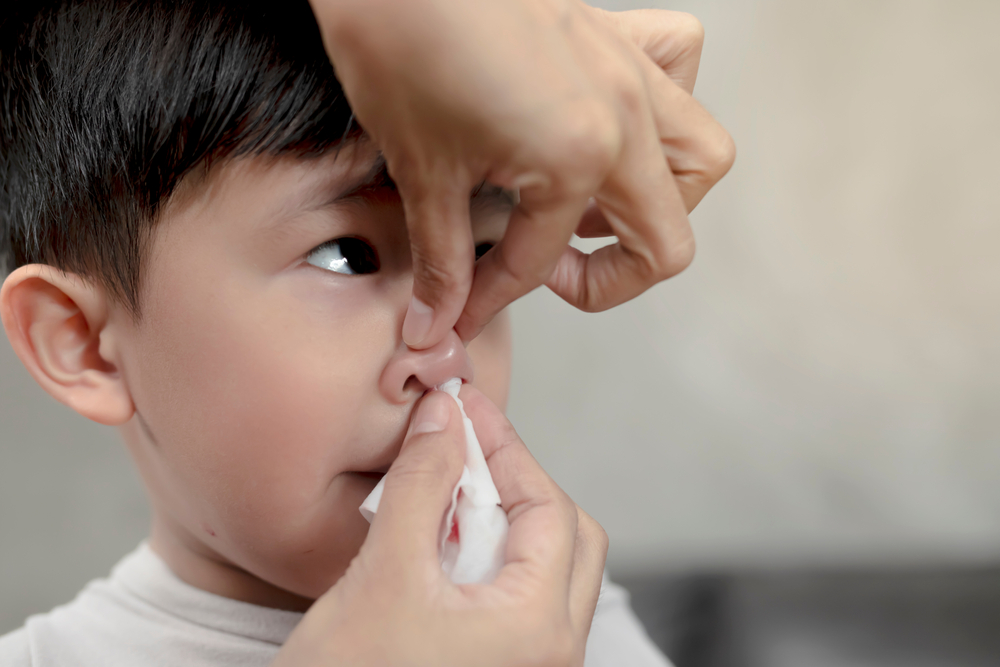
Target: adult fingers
pixel 593 224
pixel 437 217
pixel 555 181
pixel 523 259
pixel 528 494
pixel 698 149
pixel 666 46
pixel 418 487
pixel 588 571
pixel 543 520
pixel 646 211
pixel 672 40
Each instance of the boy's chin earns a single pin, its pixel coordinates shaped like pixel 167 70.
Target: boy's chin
pixel 309 578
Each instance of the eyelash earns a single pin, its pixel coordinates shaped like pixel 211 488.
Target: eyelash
pixel 353 256
pixel 347 255
pixel 482 249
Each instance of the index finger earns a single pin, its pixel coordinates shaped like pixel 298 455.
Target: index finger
pixel 523 259
pixel 672 40
pixel 438 222
pixel 543 519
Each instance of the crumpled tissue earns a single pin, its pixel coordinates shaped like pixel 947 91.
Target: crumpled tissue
pixel 473 533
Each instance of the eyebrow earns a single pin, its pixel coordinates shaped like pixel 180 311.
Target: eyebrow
pixel 377 178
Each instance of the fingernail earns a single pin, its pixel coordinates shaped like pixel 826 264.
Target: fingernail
pixel 433 413
pixel 416 326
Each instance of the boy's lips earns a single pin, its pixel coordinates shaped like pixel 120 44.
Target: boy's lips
pixel 384 460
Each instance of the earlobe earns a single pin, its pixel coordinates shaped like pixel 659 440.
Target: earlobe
pixel 58 324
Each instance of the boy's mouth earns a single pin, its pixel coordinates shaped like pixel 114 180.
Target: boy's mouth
pixel 373 474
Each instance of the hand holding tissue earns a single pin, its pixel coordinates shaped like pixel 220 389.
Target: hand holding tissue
pixel 473 532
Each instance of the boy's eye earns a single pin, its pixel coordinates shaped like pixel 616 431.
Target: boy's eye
pixel 482 249
pixel 348 255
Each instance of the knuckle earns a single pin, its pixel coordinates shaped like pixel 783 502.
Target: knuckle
pixel 436 276
pixel 719 155
pixel 424 463
pixel 507 437
pixel 587 295
pixel 525 274
pixel 569 509
pixel 689 29
pixel 667 258
pixel 590 300
pixel 594 533
pixel 590 141
pixel 421 467
pixel 630 88
pixel 603 541
pixel 677 256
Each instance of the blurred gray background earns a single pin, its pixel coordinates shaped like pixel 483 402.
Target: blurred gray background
pixel 799 434
pixel 822 386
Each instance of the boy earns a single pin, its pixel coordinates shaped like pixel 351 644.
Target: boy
pixel 207 253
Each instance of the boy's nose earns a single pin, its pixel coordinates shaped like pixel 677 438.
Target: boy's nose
pixel 411 372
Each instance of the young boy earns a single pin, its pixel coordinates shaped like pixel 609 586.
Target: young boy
pixel 207 253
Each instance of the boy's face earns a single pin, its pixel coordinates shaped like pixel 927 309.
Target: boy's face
pixel 270 381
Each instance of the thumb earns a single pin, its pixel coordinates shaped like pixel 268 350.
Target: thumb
pixel 438 222
pixel 418 487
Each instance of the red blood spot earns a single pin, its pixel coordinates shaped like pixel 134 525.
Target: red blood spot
pixel 208 529
pixel 453 535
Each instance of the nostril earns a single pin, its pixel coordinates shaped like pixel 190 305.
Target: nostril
pixel 414 385
pixel 411 372
pixel 434 366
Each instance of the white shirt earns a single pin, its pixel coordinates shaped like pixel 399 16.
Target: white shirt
pixel 144 616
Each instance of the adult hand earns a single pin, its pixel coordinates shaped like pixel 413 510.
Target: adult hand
pixel 587 113
pixel 395 606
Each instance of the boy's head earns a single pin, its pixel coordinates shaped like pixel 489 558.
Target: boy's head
pixel 207 252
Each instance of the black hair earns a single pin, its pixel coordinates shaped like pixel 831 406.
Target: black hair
pixel 106 104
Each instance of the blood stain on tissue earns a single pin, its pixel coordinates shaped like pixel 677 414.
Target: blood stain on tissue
pixel 453 535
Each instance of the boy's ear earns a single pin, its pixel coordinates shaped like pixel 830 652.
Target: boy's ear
pixel 57 323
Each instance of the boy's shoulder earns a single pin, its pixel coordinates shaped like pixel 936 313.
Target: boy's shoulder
pixel 144 615
pixel 14 649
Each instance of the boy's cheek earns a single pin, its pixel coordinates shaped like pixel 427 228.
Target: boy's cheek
pixel 262 415
pixel 300 547
pixel 491 357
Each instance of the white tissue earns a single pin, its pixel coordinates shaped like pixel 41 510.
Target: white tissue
pixel 474 515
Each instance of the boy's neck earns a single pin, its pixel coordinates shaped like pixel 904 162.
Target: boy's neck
pixel 197 565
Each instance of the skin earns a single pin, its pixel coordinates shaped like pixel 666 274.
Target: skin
pixel 262 397
pixel 587 113
pixel 589 116
pixel 394 605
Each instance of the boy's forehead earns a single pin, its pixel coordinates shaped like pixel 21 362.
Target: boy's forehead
pixel 271 190
pixel 311 184
pixel 366 175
